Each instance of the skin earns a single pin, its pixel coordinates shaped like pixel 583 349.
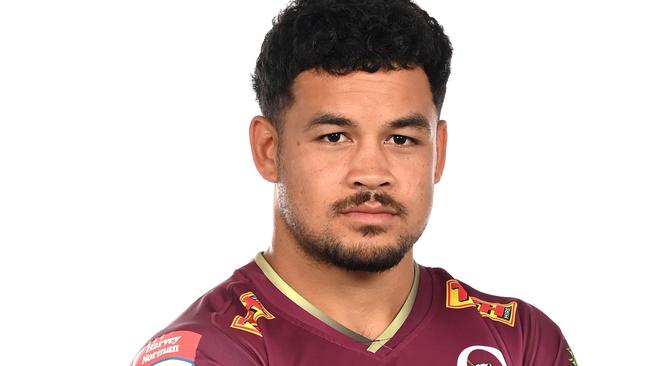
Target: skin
pixel 314 166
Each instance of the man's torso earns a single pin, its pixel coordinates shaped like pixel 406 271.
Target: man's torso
pixel 254 318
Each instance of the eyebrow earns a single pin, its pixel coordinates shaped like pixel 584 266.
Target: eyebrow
pixel 414 120
pixel 329 119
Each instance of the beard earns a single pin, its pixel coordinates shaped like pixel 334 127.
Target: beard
pixel 327 248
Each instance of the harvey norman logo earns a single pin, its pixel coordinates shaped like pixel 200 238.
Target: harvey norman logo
pixel 157 349
pixel 179 345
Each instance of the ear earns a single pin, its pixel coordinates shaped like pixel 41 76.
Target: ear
pixel 441 149
pixel 264 146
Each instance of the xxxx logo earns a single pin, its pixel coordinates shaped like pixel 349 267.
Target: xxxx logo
pixel 254 311
pixel 458 298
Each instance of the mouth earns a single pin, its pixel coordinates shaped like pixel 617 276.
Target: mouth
pixel 370 214
pixel 369 218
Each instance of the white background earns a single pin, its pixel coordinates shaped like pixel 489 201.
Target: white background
pixel 127 188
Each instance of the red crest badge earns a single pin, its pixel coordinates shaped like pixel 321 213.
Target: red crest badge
pixel 254 311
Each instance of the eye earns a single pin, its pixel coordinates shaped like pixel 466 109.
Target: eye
pixel 400 140
pixel 333 137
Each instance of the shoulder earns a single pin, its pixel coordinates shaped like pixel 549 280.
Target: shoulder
pixel 200 336
pixel 190 345
pixel 528 331
pixel 510 311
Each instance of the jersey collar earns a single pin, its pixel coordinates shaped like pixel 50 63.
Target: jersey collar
pixel 373 345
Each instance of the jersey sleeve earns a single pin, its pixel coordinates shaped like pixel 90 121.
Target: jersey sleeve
pixel 192 348
pixel 544 342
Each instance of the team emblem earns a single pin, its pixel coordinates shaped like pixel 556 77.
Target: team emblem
pixel 488 356
pixel 458 298
pixel 254 311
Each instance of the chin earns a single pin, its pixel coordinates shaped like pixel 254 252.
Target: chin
pixel 375 252
pixel 368 258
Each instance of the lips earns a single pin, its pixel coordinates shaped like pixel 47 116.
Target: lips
pixel 370 214
pixel 367 209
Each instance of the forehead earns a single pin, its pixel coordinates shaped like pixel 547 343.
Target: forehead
pixel 362 96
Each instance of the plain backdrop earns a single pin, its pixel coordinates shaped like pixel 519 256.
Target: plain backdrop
pixel 127 188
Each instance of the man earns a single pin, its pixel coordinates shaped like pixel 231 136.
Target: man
pixel 351 93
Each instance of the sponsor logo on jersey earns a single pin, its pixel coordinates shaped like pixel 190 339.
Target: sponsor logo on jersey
pixel 458 298
pixel 179 346
pixel 254 311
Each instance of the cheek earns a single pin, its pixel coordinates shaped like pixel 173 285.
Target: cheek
pixel 418 186
pixel 312 182
pixel 321 169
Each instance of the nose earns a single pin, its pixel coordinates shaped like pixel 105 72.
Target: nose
pixel 369 168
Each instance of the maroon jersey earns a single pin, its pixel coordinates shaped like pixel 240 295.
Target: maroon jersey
pixel 255 318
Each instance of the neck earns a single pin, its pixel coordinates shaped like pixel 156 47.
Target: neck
pixel 349 297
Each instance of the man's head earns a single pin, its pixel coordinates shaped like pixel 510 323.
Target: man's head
pixel 351 92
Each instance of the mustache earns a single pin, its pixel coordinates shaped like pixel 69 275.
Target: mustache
pixel 362 197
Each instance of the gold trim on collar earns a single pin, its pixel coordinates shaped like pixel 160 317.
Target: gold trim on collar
pixel 401 316
pixel 373 345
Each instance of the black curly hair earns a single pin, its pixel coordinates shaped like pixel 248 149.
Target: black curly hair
pixel 342 36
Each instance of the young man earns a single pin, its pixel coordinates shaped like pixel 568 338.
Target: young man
pixel 351 92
